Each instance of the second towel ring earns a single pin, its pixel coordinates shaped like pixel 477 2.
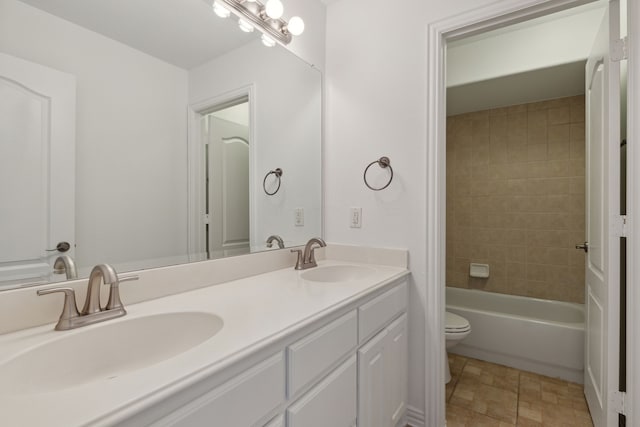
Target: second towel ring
pixel 384 163
pixel 278 173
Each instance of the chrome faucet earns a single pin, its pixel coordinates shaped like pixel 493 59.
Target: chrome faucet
pixel 307 259
pixel 93 312
pixel 277 238
pixel 65 264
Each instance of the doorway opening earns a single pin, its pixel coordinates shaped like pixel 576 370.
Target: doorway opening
pixel 226 153
pixel 541 202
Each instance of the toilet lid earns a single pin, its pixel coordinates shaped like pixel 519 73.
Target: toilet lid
pixel 455 323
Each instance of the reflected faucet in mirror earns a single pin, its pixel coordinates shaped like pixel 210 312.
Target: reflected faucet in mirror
pixel 307 259
pixel 277 238
pixel 64 264
pixel 92 311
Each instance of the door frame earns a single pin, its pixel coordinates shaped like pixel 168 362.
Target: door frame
pixel 196 188
pixel 468 23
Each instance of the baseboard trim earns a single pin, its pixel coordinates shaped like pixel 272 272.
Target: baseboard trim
pixel 415 417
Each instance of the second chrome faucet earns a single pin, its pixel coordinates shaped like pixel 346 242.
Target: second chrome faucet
pixel 92 312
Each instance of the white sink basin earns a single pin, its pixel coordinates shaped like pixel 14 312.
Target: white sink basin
pixel 105 351
pixel 336 273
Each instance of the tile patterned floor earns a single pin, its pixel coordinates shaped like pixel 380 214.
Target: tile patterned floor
pixel 483 394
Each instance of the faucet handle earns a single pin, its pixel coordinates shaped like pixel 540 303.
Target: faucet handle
pixel 69 309
pixel 299 260
pixel 114 301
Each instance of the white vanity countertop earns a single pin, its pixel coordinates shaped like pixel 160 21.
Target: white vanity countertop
pixel 256 312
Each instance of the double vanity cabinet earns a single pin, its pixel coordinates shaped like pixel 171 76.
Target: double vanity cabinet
pixel 262 348
pixel 347 369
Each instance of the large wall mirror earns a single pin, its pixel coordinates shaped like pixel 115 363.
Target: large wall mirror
pixel 148 134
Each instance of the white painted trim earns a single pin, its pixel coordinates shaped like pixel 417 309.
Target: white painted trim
pixel 633 208
pixel 195 195
pixel 436 228
pixel 415 417
pixel 469 23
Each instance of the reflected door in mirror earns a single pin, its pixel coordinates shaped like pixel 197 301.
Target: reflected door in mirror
pixel 37 146
pixel 227 175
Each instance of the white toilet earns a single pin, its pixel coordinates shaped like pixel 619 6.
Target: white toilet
pixel 456 329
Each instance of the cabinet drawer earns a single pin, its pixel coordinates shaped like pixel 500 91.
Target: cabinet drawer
pixel 330 403
pixel 375 314
pixel 241 401
pixel 315 354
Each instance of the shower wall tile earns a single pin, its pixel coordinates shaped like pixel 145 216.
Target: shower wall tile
pixel 516 198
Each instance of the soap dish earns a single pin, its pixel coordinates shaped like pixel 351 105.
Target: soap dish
pixel 479 270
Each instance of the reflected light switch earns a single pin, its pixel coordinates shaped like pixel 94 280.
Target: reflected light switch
pixel 299 217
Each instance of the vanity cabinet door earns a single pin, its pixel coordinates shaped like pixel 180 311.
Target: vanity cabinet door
pixel 383 377
pixel 330 403
pixel 371 383
pixel 398 369
pixel 242 401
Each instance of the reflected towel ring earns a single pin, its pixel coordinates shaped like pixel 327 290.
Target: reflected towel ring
pixel 384 163
pixel 278 173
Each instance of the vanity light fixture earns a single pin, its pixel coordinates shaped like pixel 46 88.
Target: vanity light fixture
pixel 220 10
pixel 266 17
pixel 245 26
pixel 274 9
pixel 268 41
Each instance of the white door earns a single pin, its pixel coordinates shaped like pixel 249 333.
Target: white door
pixel 602 258
pixel 228 194
pixel 37 168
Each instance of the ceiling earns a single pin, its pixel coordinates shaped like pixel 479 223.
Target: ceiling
pixel 548 81
pixel 594 5
pixel 185 33
pixel 531 86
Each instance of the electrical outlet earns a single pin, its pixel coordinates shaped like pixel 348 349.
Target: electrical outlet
pixel 299 217
pixel 355 217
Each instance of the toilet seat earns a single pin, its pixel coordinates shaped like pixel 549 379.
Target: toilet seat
pixel 455 324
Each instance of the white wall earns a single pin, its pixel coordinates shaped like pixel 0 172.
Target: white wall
pixel 567 38
pixel 287 133
pixel 131 136
pixel 376 105
pixel 310 45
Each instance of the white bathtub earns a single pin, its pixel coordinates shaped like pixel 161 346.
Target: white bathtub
pixel 542 336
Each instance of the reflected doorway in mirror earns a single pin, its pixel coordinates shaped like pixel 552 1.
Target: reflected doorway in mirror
pixel 227 204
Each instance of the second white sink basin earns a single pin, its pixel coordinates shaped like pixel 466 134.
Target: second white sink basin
pixel 105 351
pixel 336 273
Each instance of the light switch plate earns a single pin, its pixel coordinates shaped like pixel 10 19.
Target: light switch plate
pixel 299 217
pixel 355 217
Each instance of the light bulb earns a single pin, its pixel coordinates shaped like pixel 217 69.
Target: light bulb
pixel 220 10
pixel 295 25
pixel 268 41
pixel 245 26
pixel 274 9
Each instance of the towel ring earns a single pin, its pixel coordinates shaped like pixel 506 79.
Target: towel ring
pixel 384 163
pixel 278 173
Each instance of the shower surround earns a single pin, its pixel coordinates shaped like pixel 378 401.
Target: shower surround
pixel 516 198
